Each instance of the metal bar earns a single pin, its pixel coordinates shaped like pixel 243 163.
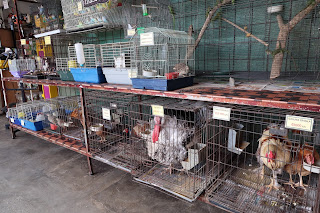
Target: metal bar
pixel 84 123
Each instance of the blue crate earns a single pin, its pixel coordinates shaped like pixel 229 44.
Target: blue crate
pixel 15 121
pixel 34 126
pixel 88 75
pixel 162 84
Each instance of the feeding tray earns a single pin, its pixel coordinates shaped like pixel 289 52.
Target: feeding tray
pixel 96 128
pixel 235 140
pixel 53 77
pixel 312 168
pixel 36 76
pixel 195 156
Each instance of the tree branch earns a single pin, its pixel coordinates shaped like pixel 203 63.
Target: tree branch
pixel 295 20
pixel 280 21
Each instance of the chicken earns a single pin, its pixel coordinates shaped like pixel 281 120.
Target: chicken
pixel 77 114
pixel 140 129
pixel 307 154
pixel 273 152
pixel 166 147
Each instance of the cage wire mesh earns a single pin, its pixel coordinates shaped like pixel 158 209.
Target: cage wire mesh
pixel 29 111
pixel 78 15
pixel 63 115
pixel 167 53
pixel 109 51
pixel 253 150
pixel 159 14
pixel 91 54
pixel 229 51
pixel 19 67
pixel 170 150
pixel 108 126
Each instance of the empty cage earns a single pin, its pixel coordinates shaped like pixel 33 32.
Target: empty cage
pixel 170 142
pixel 108 127
pixel 252 154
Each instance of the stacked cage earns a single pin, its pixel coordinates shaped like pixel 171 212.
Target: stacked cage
pixel 84 15
pixel 91 54
pixel 116 60
pixel 28 115
pixel 63 115
pixel 47 17
pixel 162 51
pixel 150 13
pixel 108 126
pixel 170 145
pixel 261 159
pixel 20 67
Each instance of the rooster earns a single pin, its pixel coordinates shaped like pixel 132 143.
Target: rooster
pixel 307 154
pixel 274 153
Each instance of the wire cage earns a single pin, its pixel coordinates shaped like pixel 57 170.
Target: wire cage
pixel 108 126
pixel 109 51
pixel 170 145
pixel 91 54
pixel 162 51
pixel 47 16
pixel 80 15
pixel 157 14
pixel 251 157
pixel 19 67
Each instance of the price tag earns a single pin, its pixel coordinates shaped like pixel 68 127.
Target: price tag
pixel 106 114
pixel 157 110
pixel 80 6
pixel 147 39
pixel 299 123
pixel 47 40
pixel 113 105
pixel 23 41
pixel 221 113
pixel 131 32
pixel 11 120
pixel 22 123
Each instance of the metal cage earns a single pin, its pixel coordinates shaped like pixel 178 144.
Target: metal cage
pixel 91 54
pixel 63 115
pixel 108 126
pixel 170 149
pixel 261 146
pixel 111 50
pixel 163 51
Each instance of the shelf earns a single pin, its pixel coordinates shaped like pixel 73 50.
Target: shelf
pixel 69 143
pixel 53 32
pixel 203 92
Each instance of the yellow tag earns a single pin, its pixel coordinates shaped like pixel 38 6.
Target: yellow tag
pixel 221 113
pixel 47 40
pixel 157 110
pixel 23 41
pixel 299 123
pixel 9 61
pixel 79 6
pixel 131 32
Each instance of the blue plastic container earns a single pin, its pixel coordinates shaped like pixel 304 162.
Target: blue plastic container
pixel 162 84
pixel 35 126
pixel 15 121
pixel 88 75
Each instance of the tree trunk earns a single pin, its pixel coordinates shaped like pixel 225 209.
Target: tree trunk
pixel 278 58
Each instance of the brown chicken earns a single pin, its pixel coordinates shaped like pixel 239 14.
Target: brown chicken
pixel 307 154
pixel 273 152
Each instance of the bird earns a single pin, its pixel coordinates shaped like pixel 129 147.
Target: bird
pixel 307 154
pixel 165 142
pixel 273 152
pixel 182 69
pixel 52 119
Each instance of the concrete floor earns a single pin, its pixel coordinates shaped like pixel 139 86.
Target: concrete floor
pixel 37 176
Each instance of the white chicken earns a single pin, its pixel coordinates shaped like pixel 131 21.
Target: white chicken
pixel 167 148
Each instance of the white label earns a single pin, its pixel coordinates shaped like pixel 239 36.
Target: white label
pixel 131 32
pixel 147 39
pixel 106 114
pixel 23 41
pixel 221 113
pixel 5 4
pixel 299 123
pixel 113 105
pixel 157 110
pixel 47 40
pixel 12 120
pixel 133 73
pixel 22 123
pixel 79 6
